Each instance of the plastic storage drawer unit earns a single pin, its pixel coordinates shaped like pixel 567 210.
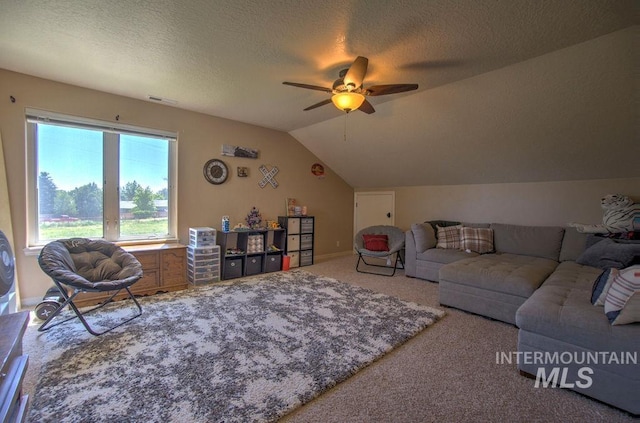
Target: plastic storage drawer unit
pixel 202 237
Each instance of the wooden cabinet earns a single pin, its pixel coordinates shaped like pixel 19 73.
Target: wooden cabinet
pixel 300 239
pixel 250 252
pixel 13 405
pixel 164 267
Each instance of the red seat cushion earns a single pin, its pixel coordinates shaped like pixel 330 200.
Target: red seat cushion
pixel 376 242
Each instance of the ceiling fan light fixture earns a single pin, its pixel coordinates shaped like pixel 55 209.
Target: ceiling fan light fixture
pixel 347 101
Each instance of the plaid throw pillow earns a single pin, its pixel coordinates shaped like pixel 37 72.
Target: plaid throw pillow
pixel 449 237
pixel 478 240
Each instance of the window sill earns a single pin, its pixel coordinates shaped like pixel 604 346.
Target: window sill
pixel 151 243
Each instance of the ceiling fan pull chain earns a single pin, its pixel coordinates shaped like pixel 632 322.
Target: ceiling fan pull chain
pixel 345 126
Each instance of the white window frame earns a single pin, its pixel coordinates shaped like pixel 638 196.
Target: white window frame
pixel 111 160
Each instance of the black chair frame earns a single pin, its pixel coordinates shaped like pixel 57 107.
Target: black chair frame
pixel 361 258
pixel 80 314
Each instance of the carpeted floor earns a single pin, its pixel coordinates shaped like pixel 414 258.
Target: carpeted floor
pixel 447 373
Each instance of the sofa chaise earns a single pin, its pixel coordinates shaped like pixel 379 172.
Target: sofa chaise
pixel 539 279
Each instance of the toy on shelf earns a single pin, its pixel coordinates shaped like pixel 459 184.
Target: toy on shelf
pixel 254 218
pixel 233 251
pixel 621 214
pixel 273 224
pixel 241 227
pixel 225 223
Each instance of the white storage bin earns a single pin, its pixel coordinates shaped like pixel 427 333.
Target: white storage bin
pixel 198 253
pixel 202 237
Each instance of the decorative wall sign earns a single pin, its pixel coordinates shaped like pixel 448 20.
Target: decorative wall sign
pixel 318 170
pixel 234 151
pixel 243 172
pixel 268 177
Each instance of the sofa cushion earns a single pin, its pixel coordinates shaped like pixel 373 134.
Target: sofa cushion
pixel 424 236
pixel 535 241
pixel 507 273
pixel 478 240
pixel 439 255
pixel 610 253
pixel 449 237
pixel 622 305
pixel 601 286
pixel 435 223
pixel 573 244
pixel 476 225
pixel 560 309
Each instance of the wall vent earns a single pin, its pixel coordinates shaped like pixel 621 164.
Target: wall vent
pixel 161 100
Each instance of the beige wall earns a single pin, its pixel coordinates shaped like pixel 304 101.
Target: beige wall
pixel 199 138
pixel 535 203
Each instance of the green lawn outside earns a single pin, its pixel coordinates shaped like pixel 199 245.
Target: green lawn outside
pixel 93 229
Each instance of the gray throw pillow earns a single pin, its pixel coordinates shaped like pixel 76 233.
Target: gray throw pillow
pixel 608 253
pixel 424 236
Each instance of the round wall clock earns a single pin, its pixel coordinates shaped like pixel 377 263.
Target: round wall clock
pixel 215 171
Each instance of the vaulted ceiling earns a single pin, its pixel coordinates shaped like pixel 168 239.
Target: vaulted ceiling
pixel 229 59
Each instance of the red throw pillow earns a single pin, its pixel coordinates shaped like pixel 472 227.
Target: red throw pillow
pixel 376 242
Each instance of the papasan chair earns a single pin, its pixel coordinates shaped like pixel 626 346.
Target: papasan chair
pixel 86 265
pixel 378 242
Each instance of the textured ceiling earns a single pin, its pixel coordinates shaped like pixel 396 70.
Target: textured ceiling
pixel 229 58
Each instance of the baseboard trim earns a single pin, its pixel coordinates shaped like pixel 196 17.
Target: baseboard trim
pixel 324 257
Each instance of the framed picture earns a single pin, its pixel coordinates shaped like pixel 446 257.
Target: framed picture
pixel 235 151
pixel 243 172
pixel 291 206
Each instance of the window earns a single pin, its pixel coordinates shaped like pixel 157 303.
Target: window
pixel 95 179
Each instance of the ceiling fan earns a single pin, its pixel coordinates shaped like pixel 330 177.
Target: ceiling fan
pixel 349 93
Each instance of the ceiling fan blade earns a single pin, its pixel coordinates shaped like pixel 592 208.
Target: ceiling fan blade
pixel 309 87
pixel 367 107
pixel 322 103
pixel 391 89
pixel 357 71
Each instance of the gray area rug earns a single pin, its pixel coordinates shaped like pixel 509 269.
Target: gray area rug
pixel 248 351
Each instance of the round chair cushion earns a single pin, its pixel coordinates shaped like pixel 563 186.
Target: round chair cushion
pixel 95 265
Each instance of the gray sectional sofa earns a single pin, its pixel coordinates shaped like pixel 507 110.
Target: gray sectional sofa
pixel 540 279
